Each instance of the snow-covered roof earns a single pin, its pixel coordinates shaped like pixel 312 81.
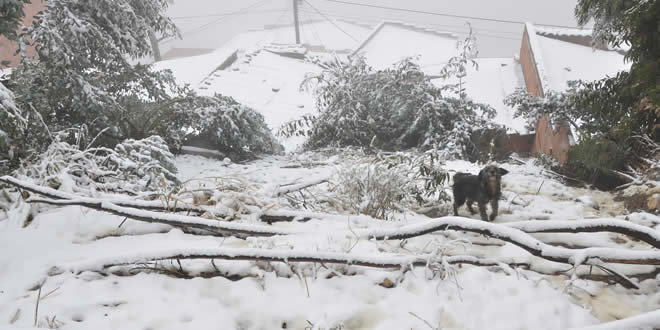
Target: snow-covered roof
pixel 267 82
pixel 559 61
pixel 489 83
pixel 554 31
pixel 390 42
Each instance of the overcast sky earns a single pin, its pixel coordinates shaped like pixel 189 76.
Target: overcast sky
pixel 204 27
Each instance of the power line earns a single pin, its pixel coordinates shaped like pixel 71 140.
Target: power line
pixel 478 30
pixel 331 21
pixel 310 26
pixel 228 16
pixel 440 14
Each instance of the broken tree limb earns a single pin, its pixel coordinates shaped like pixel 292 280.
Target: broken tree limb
pixel 288 256
pixel 521 239
pixel 650 320
pixel 285 256
pixel 642 233
pixel 285 189
pixel 139 204
pixel 222 228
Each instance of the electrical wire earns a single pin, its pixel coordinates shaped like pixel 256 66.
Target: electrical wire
pixel 223 18
pixel 441 14
pixel 331 21
pixel 311 26
pixel 478 30
pixel 227 14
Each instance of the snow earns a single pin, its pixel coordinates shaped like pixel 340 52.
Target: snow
pixel 492 80
pixel 545 30
pixel 564 61
pixel 254 295
pixel 391 42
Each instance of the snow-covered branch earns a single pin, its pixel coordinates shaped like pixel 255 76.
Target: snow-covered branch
pixel 650 320
pixel 177 220
pixel 287 256
pixel 171 206
pixel 521 239
pixel 630 229
pixel 282 190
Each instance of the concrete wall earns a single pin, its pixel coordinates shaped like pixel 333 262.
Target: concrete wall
pixel 8 48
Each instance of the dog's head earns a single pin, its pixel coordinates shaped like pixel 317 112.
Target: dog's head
pixel 490 177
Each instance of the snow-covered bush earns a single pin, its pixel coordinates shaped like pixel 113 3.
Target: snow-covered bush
pixel 611 130
pixel 134 166
pixel 82 73
pixel 392 109
pixel 387 184
pixel 12 124
pixel 221 123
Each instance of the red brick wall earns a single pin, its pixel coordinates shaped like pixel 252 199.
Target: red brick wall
pixel 552 141
pixel 528 64
pixel 8 48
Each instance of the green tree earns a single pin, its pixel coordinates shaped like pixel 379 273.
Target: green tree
pixel 635 24
pixel 11 14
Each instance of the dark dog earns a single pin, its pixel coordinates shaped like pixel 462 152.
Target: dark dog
pixel 481 189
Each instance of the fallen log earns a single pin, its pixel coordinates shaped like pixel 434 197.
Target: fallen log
pixel 159 205
pixel 288 256
pixel 221 228
pixel 521 239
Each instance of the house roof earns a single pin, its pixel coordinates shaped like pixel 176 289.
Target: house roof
pixel 391 42
pixel 560 60
pixel 490 82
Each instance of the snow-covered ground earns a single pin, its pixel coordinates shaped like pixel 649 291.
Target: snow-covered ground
pixel 259 295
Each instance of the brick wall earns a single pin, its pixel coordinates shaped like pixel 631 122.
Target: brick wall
pixel 8 48
pixel 553 141
pixel 528 64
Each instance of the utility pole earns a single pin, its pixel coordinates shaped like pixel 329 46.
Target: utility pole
pixel 295 20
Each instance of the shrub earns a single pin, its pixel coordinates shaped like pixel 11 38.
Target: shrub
pixel 390 183
pixel 393 109
pixel 221 123
pixel 134 166
pixel 594 159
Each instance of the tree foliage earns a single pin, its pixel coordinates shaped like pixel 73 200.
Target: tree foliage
pixel 221 123
pixel 11 14
pixel 392 109
pixel 632 23
pixel 84 79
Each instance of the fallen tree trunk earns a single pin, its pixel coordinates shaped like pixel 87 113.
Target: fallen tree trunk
pixel 521 239
pixel 642 233
pixel 172 206
pixel 287 256
pixel 222 228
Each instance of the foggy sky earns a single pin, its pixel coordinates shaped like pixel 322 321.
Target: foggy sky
pixel 493 39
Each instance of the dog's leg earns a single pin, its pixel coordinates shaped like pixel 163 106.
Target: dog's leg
pixel 482 210
pixel 494 204
pixel 469 206
pixel 458 201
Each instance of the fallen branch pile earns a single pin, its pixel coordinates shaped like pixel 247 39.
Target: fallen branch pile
pixel 515 233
